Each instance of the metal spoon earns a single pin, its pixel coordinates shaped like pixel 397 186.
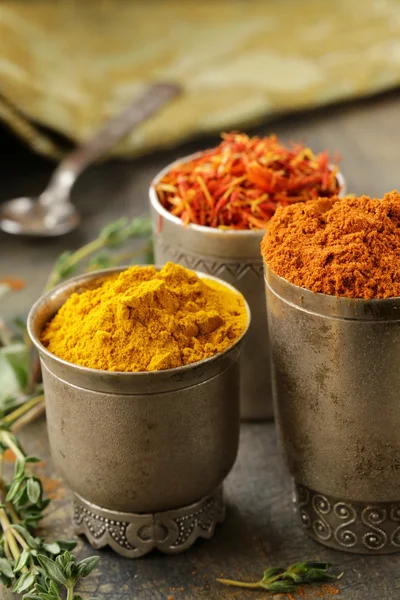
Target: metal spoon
pixel 52 213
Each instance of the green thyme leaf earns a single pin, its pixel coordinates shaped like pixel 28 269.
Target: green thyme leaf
pixel 32 459
pixel 66 544
pixel 52 570
pixel 21 562
pixel 140 227
pixel 34 490
pixel 52 548
pixel 15 488
pixel 271 572
pixel 64 265
pixel 113 234
pixel 5 568
pixel 24 583
pixel 279 587
pixel 19 468
pixel 87 565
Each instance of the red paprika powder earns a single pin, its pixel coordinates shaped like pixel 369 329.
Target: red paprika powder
pixel 343 247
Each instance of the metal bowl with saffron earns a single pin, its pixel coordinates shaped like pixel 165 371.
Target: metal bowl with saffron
pixel 209 213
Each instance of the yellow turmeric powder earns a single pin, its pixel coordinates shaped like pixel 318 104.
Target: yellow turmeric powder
pixel 147 320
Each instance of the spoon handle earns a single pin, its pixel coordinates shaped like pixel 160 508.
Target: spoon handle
pixel 140 109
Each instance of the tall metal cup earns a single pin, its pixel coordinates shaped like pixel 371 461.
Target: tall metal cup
pixel 145 454
pixel 235 257
pixel 336 386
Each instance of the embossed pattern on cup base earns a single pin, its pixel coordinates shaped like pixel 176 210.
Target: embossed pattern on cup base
pixel 365 528
pixel 133 535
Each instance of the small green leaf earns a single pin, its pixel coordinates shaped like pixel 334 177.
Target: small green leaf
pixel 24 583
pixel 12 379
pixel 317 575
pixel 46 596
pixel 140 227
pixel 19 468
pixel 87 565
pixel 66 544
pixel 14 489
pixel 63 560
pixel 113 234
pixel 5 568
pixel 21 498
pixel 31 596
pixel 52 570
pixel 22 561
pixel 34 489
pixel 17 356
pixel 279 587
pixel 32 459
pixel 52 548
pixel 272 572
pixel 63 265
pixel 53 589
pixel 71 571
pixel 77 597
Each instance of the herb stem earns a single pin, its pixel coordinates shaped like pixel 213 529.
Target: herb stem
pixel 14 516
pixel 9 534
pixel 239 583
pixel 7 550
pixel 77 256
pixel 21 410
pixel 6 438
pixel 29 416
pixel 19 538
pixel 70 591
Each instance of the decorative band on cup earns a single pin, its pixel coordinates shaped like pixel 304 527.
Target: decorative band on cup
pixel 134 535
pixel 367 528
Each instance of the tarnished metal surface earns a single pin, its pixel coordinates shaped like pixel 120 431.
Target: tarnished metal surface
pixel 234 256
pixel 152 441
pixel 336 385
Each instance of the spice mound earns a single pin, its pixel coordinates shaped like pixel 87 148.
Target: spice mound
pixel 147 320
pixel 348 247
pixel 240 183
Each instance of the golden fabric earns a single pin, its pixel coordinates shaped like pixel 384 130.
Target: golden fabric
pixel 70 65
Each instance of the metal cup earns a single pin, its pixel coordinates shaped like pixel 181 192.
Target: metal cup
pixel 235 257
pixel 336 385
pixel 145 454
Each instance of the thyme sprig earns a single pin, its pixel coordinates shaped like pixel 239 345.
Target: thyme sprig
pixel 31 566
pixel 113 236
pixel 279 581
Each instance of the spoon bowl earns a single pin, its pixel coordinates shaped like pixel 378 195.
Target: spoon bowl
pixel 28 216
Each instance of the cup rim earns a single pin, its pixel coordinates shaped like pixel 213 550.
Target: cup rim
pixel 341 307
pixel 159 208
pixel 86 277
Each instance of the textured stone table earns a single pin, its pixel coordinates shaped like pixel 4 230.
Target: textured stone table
pixel 261 528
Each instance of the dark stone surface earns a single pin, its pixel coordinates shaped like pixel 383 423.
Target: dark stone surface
pixel 261 528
